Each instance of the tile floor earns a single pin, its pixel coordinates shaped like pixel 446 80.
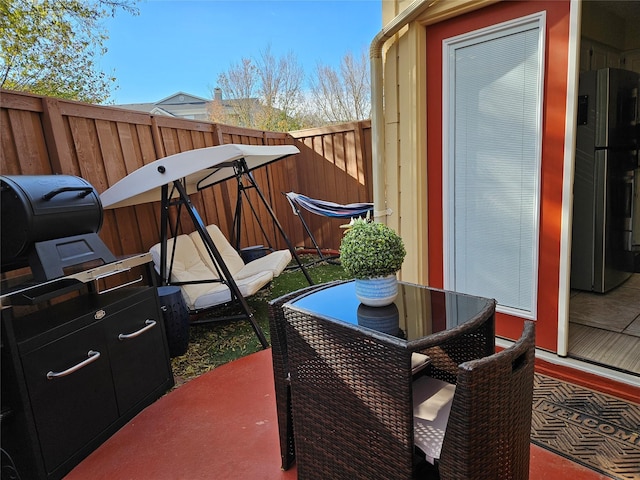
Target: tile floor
pixel 605 328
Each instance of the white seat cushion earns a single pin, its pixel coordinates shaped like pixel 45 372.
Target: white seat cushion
pixel 187 266
pixel 232 259
pixel 250 285
pixel 275 262
pixel 418 362
pixel 432 400
pixel 221 294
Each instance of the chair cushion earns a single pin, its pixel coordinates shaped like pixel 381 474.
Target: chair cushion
pixel 418 362
pixel 250 285
pixel 231 258
pixel 275 262
pixel 187 266
pixel 432 400
pixel 229 254
pixel 221 293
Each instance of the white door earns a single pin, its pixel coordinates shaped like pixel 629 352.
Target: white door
pixel 492 104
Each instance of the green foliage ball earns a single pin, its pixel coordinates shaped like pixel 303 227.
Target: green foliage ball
pixel 371 249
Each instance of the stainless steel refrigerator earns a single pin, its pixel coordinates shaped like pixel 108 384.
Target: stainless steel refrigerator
pixel 602 252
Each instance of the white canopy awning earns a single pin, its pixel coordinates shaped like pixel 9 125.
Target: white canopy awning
pixel 199 168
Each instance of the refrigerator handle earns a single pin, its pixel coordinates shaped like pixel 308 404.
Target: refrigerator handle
pixel 583 109
pixel 634 96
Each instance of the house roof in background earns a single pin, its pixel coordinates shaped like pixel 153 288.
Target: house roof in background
pixel 175 105
pixel 181 98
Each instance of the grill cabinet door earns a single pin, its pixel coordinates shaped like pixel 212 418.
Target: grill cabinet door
pixel 135 337
pixel 70 410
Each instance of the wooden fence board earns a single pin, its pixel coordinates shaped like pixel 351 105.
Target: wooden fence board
pixel 131 156
pixel 29 148
pixel 169 141
pixel 289 183
pixel 90 159
pixel 310 179
pixel 8 151
pixel 185 142
pixel 55 133
pixel 96 112
pixel 365 193
pixel 325 162
pixel 81 138
pixel 225 201
pixel 261 177
pixel 111 154
pixel 126 231
pixel 145 144
pixel 148 221
pixel 158 144
pixel 343 193
pixel 20 101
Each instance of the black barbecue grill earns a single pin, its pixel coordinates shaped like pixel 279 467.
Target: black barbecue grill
pixel 50 223
pixel 78 360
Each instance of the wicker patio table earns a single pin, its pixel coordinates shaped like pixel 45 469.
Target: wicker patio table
pixel 351 373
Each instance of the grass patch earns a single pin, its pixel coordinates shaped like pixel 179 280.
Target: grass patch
pixel 217 343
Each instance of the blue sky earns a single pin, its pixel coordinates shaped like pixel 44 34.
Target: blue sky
pixel 183 45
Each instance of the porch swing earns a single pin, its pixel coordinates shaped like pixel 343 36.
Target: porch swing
pixel 203 263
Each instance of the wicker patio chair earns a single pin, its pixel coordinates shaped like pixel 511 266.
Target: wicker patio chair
pixel 487 435
pixel 281 370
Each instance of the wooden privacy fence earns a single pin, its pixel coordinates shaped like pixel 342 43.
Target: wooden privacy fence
pixel 43 136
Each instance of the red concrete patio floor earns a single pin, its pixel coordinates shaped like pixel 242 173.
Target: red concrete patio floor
pixel 222 426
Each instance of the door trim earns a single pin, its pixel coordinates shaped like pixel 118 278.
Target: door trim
pixel 566 220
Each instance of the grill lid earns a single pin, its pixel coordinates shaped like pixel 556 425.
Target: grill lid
pixel 49 222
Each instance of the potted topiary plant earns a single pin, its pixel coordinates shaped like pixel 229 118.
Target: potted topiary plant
pixel 372 253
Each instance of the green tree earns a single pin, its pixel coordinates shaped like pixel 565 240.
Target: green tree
pixel 52 47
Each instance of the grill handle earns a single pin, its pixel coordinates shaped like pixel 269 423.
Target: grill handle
pixel 84 191
pixel 149 325
pixel 93 356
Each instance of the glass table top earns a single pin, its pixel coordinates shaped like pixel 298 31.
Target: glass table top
pixel 417 312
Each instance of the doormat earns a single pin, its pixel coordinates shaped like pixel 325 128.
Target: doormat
pixel 591 428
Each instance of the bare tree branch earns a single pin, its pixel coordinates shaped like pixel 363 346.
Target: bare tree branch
pixel 343 95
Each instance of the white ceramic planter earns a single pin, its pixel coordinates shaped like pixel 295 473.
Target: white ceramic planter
pixel 377 292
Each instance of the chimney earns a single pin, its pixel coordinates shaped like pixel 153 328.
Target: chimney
pixel 217 95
